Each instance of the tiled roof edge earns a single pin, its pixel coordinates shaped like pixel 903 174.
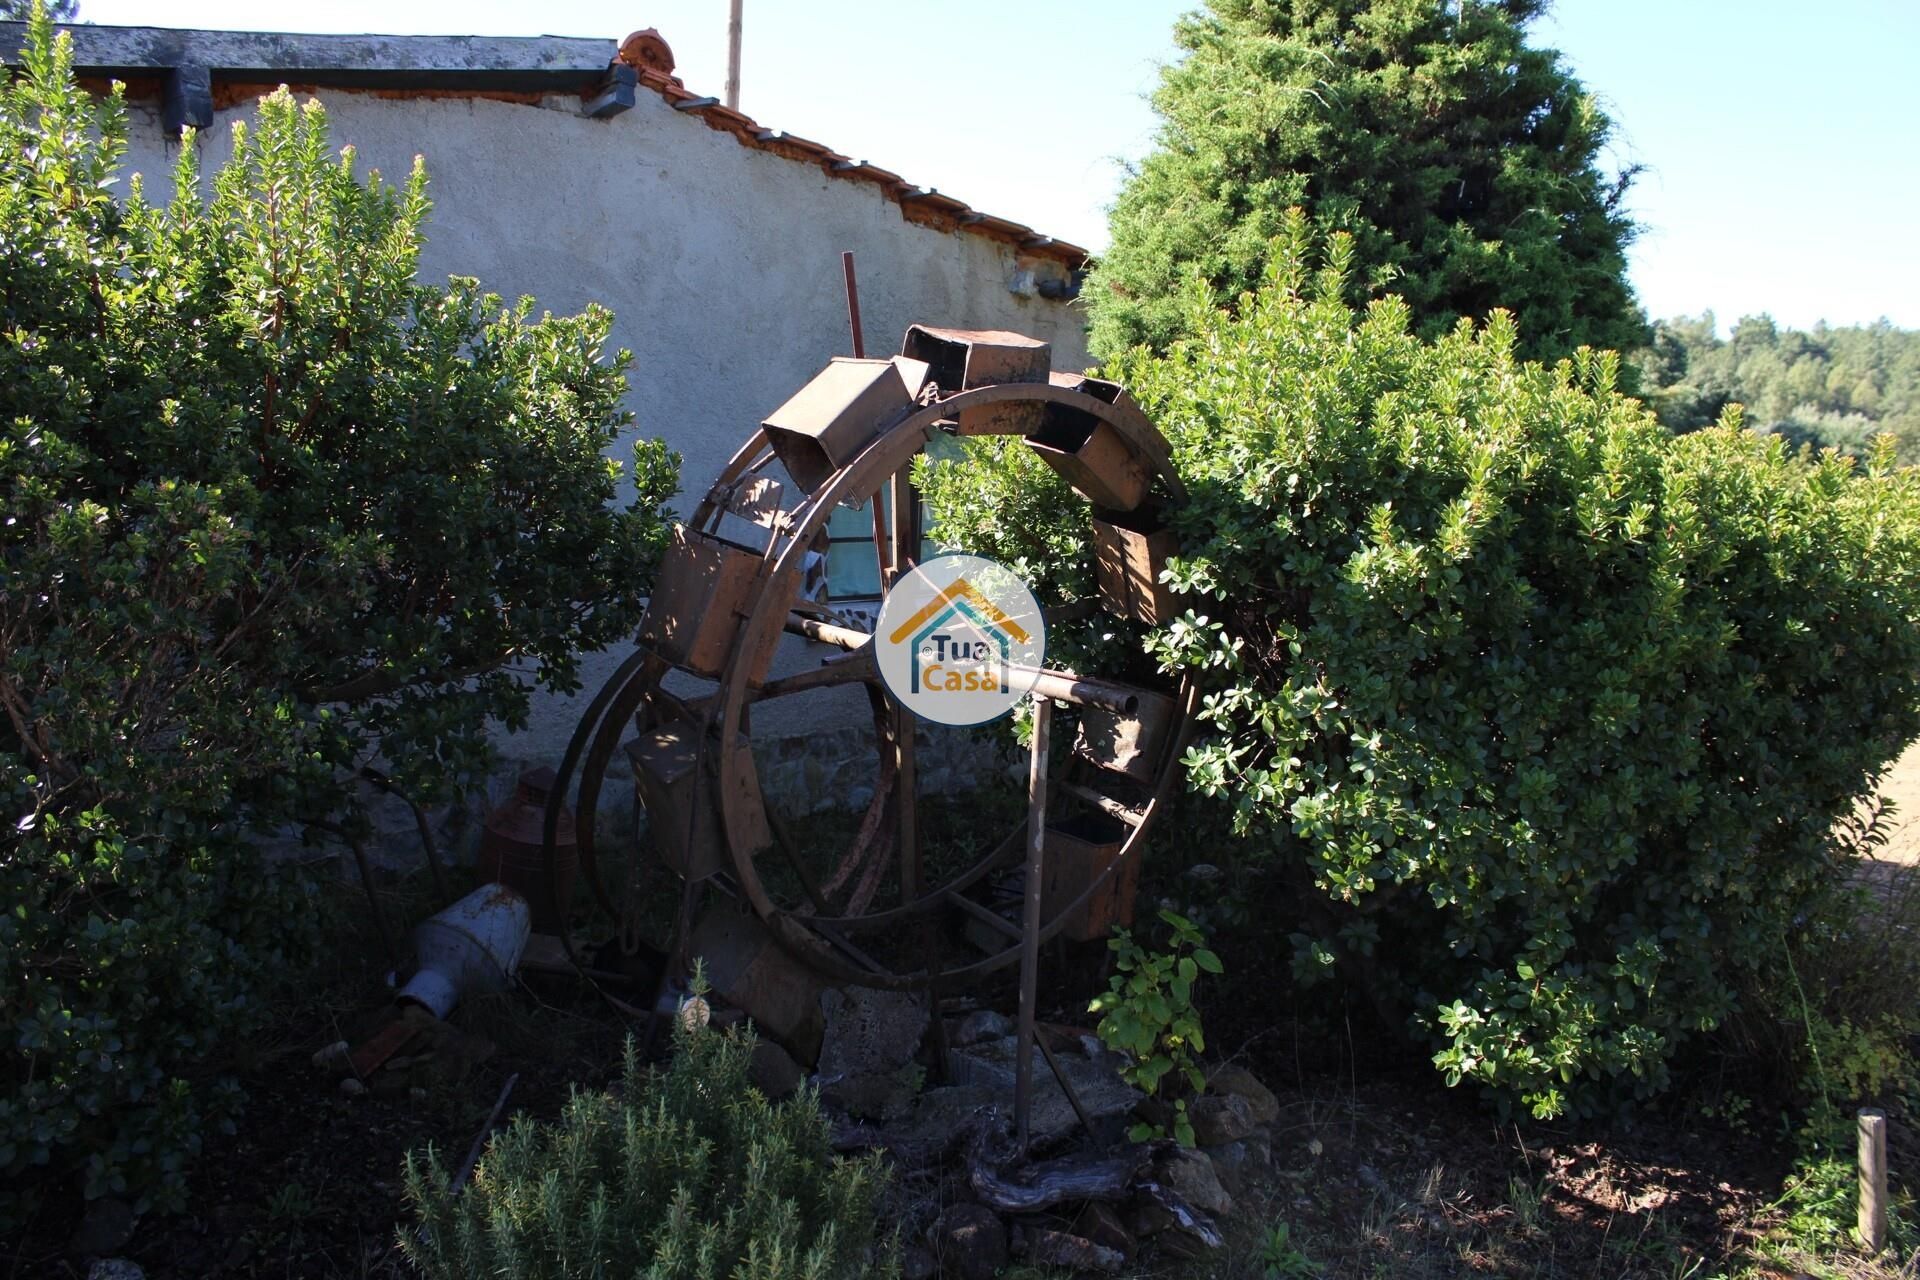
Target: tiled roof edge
pixel 920 205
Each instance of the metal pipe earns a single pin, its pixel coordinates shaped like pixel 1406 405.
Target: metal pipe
pixel 1063 686
pixel 733 56
pixel 853 302
pixel 1030 924
pixel 1080 691
pixel 825 632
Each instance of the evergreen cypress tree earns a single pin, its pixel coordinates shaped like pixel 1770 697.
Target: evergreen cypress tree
pixel 1463 162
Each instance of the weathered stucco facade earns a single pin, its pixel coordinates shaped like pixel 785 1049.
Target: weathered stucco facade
pixel 715 242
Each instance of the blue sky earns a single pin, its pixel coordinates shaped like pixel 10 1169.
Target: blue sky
pixel 1781 140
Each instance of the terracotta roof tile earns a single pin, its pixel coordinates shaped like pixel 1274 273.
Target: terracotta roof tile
pixel 921 205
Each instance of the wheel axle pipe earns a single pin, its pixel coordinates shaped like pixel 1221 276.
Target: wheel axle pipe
pixel 1062 686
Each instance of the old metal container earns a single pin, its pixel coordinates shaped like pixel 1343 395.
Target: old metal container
pixel 706 587
pixel 1127 744
pixel 962 359
pixel 471 947
pixel 511 851
pixel 683 817
pixel 1099 388
pixel 836 415
pixel 1091 456
pixel 1078 850
pixel 1130 550
pixel 755 973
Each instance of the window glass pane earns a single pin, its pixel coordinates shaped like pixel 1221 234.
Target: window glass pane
pixel 845 522
pixel 851 569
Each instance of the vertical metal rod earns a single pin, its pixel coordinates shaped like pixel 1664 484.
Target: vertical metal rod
pixel 733 56
pixel 906 507
pixel 853 306
pixel 1066 1085
pixel 1030 923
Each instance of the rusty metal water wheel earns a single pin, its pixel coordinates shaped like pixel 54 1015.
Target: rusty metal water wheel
pixel 711 791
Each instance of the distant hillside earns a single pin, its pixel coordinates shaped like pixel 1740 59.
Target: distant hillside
pixel 1826 386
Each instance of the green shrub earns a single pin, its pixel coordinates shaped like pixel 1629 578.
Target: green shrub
pixel 1147 1015
pixel 272 510
pixel 1537 719
pixel 688 1173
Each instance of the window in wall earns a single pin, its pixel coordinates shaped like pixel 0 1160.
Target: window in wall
pixel 852 572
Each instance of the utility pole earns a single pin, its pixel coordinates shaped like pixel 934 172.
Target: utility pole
pixel 733 55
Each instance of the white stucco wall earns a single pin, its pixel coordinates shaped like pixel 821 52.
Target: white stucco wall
pixel 721 264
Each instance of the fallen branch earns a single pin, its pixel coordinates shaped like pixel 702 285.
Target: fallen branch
pixel 425 828
pixel 480 1139
pixel 1067 1180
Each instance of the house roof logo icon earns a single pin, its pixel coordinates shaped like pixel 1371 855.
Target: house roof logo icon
pixel 960 639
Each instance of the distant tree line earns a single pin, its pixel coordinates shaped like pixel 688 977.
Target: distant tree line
pixel 1824 386
pixel 21 10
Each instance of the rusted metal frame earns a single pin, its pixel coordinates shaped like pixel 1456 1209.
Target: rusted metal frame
pixel 1002 854
pixel 867 852
pixel 824 929
pixel 906 544
pixel 783 841
pixel 853 306
pixel 557 797
pixel 847 948
pixel 856 666
pixel 676 959
pixel 1104 803
pixel 992 919
pixel 880 458
pixel 1030 920
pixel 593 772
pixel 793 929
pixel 1066 1085
pixel 1126 418
pixel 1063 686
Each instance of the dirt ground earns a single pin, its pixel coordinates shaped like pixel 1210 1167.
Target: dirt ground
pixel 1902 787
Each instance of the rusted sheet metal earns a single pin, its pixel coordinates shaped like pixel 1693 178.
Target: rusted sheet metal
pixel 1091 456
pixel 703 589
pixel 756 499
pixel 512 851
pixel 753 972
pixel 1129 551
pixel 1099 388
pixel 1126 744
pixel 669 783
pixel 1079 851
pixel 962 359
pixel 839 413
pixel 966 359
pixel 381 1045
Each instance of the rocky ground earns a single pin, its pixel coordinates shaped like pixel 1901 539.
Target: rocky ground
pixel 1319 1156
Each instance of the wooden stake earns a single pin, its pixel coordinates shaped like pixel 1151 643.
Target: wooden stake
pixel 1873 1180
